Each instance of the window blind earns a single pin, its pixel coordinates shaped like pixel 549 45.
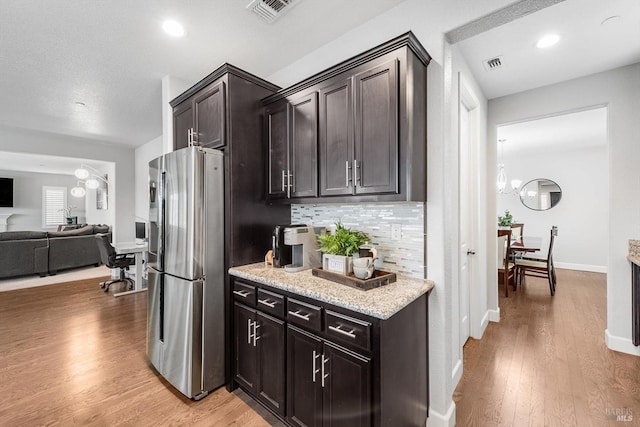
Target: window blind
pixel 54 201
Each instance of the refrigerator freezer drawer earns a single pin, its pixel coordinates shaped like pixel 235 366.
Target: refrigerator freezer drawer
pixel 174 344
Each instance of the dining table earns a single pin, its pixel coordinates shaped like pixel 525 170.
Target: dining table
pixel 527 244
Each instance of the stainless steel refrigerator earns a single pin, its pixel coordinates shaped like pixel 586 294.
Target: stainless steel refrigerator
pixel 185 331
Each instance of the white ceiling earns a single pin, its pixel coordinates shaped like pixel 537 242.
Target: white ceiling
pixel 111 55
pixel 586 46
pixel 39 163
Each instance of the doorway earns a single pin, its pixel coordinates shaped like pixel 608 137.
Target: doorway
pixel 468 181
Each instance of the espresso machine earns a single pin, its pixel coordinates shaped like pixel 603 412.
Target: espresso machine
pixel 304 248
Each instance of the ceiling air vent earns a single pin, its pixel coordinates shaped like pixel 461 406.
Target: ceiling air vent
pixel 270 10
pixel 493 63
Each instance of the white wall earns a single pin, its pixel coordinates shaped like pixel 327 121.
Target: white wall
pixel 26 213
pixel 143 155
pixel 619 90
pixel 583 176
pixel 102 216
pixel 35 142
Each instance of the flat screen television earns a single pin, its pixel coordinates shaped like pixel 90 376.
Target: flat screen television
pixel 6 192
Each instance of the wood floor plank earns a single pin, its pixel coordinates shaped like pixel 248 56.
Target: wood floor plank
pixel 71 355
pixel 547 361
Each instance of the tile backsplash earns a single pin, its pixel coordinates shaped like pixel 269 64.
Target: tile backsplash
pixel 403 253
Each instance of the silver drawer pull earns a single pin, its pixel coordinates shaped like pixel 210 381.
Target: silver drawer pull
pixel 339 330
pixel 300 316
pixel 243 294
pixel 270 304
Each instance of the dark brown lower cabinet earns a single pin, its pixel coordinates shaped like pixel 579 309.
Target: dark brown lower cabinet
pixel 312 363
pixel 260 356
pixel 329 385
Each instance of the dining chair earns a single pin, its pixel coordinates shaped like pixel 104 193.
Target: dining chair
pixel 539 267
pixel 517 231
pixel 506 268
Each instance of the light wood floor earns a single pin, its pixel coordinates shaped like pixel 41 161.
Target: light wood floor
pixel 71 355
pixel 546 363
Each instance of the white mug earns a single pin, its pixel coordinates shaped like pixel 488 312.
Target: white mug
pixel 363 272
pixel 364 262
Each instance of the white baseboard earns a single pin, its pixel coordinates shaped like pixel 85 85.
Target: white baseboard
pixel 437 419
pixel 494 315
pixel 483 327
pixel 582 267
pixel 623 345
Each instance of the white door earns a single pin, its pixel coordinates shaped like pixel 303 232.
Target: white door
pixel 468 208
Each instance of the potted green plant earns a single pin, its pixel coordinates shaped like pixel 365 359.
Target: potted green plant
pixel 506 220
pixel 337 248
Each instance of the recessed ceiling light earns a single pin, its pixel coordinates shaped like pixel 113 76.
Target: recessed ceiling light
pixel 173 28
pixel 548 41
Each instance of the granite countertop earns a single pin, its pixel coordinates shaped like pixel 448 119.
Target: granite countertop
pixel 381 302
pixel 634 252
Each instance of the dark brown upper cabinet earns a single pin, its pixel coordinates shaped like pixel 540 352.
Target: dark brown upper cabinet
pixel 371 126
pixel 292 140
pixel 201 119
pixel 376 160
pixel 336 139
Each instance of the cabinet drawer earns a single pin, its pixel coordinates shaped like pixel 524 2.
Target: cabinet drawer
pixel 245 293
pixel 347 329
pixel 305 315
pixel 270 302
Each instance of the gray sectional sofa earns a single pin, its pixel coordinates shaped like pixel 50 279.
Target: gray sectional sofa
pixel 40 252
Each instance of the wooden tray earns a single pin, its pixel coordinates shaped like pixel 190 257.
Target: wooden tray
pixel 380 278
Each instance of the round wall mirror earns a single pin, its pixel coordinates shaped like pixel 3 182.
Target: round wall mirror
pixel 540 194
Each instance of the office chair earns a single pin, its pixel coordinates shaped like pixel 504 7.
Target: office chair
pixel 109 258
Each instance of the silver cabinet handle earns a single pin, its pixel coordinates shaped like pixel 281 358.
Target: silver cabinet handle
pixel 323 374
pixel 356 178
pixel 339 330
pixel 270 304
pixel 256 326
pixel 347 175
pixel 283 185
pixel 289 185
pixel 300 316
pixel 249 334
pixel 243 294
pixel 190 137
pixel 313 367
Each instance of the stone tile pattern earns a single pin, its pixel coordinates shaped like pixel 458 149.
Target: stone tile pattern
pixel 404 256
pixel 634 251
pixel 381 303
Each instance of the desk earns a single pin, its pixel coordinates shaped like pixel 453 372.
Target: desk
pixel 138 250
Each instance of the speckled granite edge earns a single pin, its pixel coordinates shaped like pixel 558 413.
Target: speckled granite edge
pixel 381 303
pixel 634 259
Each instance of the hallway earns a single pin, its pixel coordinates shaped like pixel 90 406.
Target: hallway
pixel 546 362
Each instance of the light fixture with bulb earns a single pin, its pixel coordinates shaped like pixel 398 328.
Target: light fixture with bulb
pixel 547 40
pixel 502 175
pixel 90 178
pixel 173 28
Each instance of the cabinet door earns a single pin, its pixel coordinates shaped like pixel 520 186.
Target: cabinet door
pixel 182 124
pixel 245 363
pixel 347 388
pixel 277 131
pixel 271 356
pixel 336 139
pixel 376 130
pixel 209 110
pixel 303 142
pixel 304 391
